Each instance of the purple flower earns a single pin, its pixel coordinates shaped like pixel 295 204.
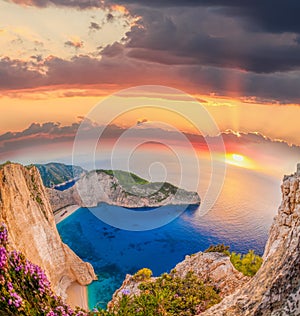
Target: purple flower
pixel 3 235
pixel 3 257
pixel 125 292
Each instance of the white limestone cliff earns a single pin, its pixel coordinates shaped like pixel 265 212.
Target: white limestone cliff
pixel 26 211
pixel 275 289
pixel 98 186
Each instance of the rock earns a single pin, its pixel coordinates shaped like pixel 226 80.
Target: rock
pixel 213 268
pixel 99 186
pixel 130 286
pixel 275 289
pixel 25 209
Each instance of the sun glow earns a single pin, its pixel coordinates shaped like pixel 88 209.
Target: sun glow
pixel 239 160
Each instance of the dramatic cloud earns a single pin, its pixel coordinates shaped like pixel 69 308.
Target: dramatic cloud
pixel 165 36
pixel 114 68
pixel 16 74
pixel 275 16
pixel 231 48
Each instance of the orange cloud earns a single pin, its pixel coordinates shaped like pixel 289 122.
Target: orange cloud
pixel 119 8
pixel 76 43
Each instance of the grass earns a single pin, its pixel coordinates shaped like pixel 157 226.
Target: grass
pixel 125 177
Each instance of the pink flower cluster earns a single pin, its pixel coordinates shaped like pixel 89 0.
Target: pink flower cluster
pixel 24 286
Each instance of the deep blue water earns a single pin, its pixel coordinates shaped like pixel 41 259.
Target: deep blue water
pixel 241 218
pixel 65 186
pixel 114 252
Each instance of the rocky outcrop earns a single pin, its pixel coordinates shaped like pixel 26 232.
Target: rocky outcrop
pixel 25 209
pixel 275 289
pixel 213 268
pixel 102 186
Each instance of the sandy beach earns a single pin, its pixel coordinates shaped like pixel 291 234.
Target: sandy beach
pixel 65 212
pixel 77 296
pixel 76 293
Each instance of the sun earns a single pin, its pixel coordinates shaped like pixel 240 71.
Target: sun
pixel 238 158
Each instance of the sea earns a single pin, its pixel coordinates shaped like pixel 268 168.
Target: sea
pixel 240 218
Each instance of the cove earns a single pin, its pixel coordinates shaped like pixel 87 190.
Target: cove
pixel 114 252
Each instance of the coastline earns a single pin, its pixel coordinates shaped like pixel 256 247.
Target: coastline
pixel 77 296
pixel 65 212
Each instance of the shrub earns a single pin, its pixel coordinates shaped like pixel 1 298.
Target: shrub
pixel 248 263
pixel 142 275
pixel 219 248
pixel 168 295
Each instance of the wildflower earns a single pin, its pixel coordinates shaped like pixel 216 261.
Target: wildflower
pixel 3 235
pixel 3 257
pixel 125 292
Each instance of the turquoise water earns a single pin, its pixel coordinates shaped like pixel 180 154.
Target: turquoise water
pixel 241 218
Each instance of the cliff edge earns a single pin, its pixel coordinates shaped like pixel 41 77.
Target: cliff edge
pixel 275 289
pixel 26 211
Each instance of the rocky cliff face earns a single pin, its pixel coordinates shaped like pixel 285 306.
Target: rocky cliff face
pixel 275 289
pixel 99 186
pixel 25 209
pixel 213 268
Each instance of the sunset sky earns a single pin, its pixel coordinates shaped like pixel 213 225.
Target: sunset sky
pixel 239 59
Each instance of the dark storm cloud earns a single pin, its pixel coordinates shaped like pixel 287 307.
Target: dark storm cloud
pixel 271 15
pixel 188 32
pixel 194 36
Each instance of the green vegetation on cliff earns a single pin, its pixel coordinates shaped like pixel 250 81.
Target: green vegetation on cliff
pixel 125 177
pixel 5 163
pixel 167 295
pixel 248 263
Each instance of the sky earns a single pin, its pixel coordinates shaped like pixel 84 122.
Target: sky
pixel 240 60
